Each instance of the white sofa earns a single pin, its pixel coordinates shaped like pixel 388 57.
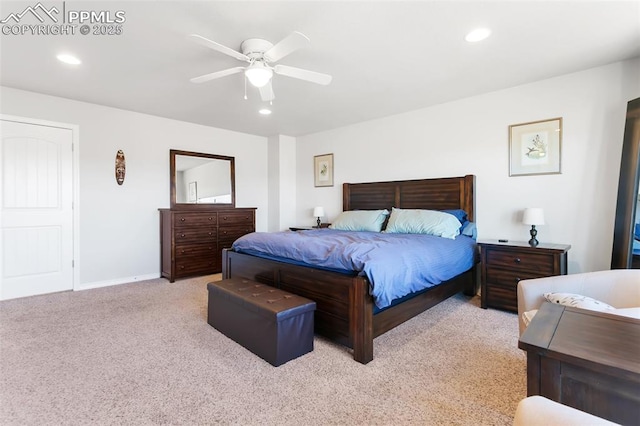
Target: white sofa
pixel 540 411
pixel 619 288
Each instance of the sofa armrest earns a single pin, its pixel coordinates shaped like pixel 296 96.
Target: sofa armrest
pixel 540 411
pixel 619 287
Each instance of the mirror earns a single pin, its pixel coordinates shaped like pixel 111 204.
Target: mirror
pixel 626 232
pixel 201 180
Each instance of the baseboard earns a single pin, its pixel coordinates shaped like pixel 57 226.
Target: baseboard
pixel 125 280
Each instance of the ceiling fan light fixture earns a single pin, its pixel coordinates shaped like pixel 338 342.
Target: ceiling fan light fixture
pixel 258 74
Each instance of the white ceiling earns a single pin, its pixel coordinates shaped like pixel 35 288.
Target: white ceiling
pixel 386 57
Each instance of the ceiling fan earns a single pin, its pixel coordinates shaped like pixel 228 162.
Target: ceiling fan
pixel 260 54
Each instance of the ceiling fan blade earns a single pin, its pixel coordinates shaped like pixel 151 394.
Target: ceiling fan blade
pixel 312 76
pixel 216 74
pixel 266 92
pixel 293 41
pixel 217 46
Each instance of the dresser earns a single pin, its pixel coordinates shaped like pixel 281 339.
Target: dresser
pixel 504 264
pixel 191 242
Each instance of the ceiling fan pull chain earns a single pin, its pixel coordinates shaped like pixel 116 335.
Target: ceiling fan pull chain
pixel 245 88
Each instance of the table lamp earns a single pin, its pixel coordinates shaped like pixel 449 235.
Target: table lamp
pixel 533 216
pixel 318 212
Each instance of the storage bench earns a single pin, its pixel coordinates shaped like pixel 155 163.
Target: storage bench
pixel 272 323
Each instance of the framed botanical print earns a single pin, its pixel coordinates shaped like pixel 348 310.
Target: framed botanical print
pixel 535 147
pixel 323 170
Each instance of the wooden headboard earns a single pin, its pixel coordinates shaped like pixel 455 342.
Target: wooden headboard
pixel 431 194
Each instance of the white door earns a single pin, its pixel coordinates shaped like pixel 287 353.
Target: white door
pixel 36 212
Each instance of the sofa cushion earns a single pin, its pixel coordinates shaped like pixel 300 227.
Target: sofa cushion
pixel 528 316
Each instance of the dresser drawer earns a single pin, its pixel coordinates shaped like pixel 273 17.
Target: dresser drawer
pixel 189 266
pixel 190 249
pixel 542 263
pixel 228 234
pixel 199 235
pixel 508 278
pixel 183 220
pixel 236 218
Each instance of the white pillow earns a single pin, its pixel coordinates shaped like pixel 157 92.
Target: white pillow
pixel 528 316
pixel 578 301
pixel 432 222
pixel 360 220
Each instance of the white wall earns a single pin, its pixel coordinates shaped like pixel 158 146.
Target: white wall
pixel 119 235
pixel 470 136
pixel 282 182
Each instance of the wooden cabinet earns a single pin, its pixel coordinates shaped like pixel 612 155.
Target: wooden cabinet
pixel 505 264
pixel 585 359
pixel 191 242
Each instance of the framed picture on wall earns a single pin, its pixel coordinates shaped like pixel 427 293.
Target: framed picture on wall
pixel 323 170
pixel 193 192
pixel 535 147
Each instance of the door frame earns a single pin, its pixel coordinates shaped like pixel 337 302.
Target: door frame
pixel 75 182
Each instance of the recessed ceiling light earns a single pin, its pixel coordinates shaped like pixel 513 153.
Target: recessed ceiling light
pixel 478 34
pixel 265 111
pixel 68 59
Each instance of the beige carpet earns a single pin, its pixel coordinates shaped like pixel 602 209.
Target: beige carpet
pixel 143 353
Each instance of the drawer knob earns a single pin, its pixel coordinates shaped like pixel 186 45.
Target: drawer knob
pixel 181 251
pixel 224 218
pixel 210 233
pixel 210 218
pixel 517 260
pixel 182 235
pixel 518 279
pixel 182 219
pixel 181 266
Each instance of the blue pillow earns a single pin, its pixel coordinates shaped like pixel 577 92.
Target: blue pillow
pixel 360 220
pixel 460 214
pixel 431 222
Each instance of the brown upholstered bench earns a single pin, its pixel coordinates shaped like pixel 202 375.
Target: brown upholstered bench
pixel 272 323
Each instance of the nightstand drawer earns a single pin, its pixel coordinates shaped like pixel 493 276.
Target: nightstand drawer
pixel 508 277
pixel 542 263
pixel 502 297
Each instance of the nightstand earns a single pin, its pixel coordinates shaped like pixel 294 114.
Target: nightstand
pixel 504 264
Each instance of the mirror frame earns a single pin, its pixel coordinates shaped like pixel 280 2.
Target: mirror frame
pixel 191 206
pixel 621 256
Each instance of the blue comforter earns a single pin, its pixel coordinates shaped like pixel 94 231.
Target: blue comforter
pixel 394 264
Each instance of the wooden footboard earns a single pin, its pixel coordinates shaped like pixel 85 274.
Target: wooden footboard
pixel 344 308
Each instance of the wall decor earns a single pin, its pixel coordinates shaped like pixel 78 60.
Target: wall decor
pixel 535 147
pixel 323 170
pixel 121 167
pixel 193 192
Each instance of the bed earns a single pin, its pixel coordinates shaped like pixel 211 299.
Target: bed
pixel 345 310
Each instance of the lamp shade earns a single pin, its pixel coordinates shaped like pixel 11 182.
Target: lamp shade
pixel 533 216
pixel 258 74
pixel 318 212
